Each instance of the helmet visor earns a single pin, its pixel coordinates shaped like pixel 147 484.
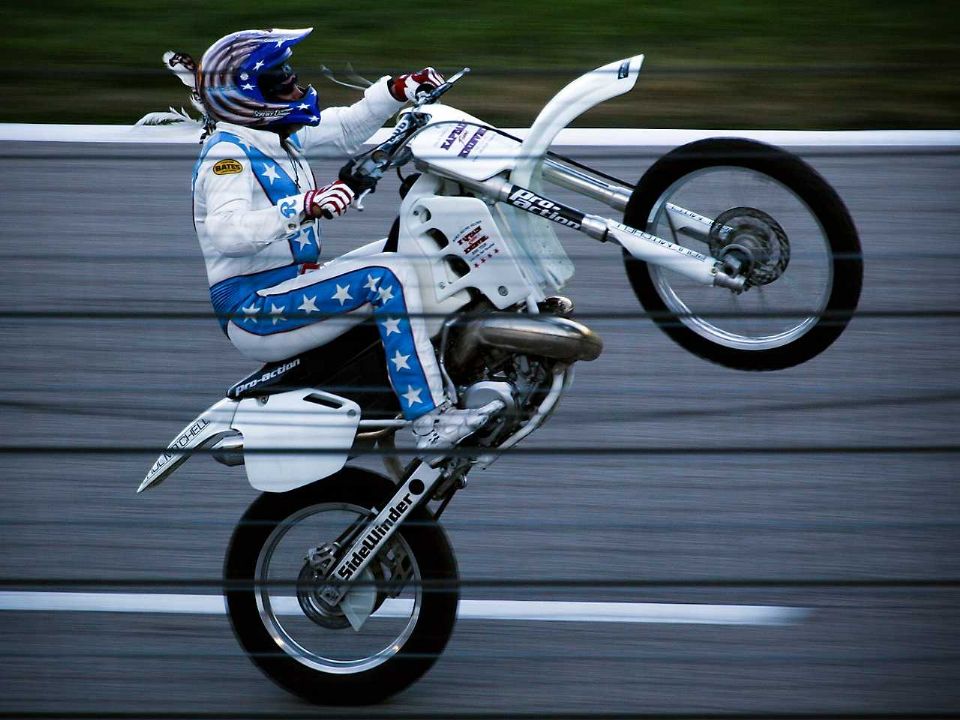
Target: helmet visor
pixel 278 82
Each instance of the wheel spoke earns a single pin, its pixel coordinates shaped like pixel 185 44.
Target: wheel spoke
pixel 778 232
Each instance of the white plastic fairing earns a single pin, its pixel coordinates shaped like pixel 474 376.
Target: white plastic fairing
pixel 537 235
pixel 464 145
pixel 473 253
pixel 317 427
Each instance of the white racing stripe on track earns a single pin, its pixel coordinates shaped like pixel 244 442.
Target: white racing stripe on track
pixel 579 137
pixel 523 610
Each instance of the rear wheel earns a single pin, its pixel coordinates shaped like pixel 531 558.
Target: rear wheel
pixel 778 220
pixel 273 580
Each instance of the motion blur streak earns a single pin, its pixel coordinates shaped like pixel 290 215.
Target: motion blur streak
pixel 106 228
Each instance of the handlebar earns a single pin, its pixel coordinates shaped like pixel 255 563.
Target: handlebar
pixel 372 164
pixel 428 97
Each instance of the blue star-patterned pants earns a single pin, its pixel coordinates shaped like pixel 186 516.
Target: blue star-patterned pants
pixel 310 310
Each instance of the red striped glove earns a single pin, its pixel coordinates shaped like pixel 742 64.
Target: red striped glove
pixel 328 202
pixel 405 87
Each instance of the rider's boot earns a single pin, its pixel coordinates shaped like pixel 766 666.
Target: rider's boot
pixel 446 425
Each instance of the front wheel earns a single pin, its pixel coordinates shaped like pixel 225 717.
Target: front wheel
pixel 774 217
pixel 305 645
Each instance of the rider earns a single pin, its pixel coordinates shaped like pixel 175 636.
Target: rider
pixel 258 212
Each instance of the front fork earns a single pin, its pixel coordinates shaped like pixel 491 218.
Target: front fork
pixel 702 268
pixel 697 266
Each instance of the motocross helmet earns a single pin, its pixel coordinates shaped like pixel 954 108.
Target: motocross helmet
pixel 244 77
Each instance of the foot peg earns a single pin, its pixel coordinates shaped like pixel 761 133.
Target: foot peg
pixel 556 305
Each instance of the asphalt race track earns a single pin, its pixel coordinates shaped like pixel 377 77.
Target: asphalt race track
pixel 106 229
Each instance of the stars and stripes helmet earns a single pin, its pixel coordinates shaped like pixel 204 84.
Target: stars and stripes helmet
pixel 242 77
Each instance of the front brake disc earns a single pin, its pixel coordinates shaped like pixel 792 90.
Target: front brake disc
pixel 756 239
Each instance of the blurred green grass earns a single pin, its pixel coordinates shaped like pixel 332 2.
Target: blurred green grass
pixel 748 64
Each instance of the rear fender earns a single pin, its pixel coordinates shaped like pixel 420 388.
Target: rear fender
pixel 288 440
pixel 208 428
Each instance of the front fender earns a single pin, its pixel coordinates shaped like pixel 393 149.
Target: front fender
pixel 577 97
pixel 212 424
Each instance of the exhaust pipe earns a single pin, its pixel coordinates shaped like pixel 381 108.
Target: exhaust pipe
pixel 229 451
pixel 547 336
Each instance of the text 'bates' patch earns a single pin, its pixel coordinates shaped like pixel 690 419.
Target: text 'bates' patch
pixel 227 167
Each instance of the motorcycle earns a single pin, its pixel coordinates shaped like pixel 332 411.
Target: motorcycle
pixel 340 583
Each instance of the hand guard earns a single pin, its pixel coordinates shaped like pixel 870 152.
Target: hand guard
pixel 328 202
pixel 352 174
pixel 405 87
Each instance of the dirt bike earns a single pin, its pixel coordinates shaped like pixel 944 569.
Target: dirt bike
pixel 340 583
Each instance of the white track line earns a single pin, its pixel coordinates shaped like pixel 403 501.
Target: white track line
pixel 524 610
pixel 581 137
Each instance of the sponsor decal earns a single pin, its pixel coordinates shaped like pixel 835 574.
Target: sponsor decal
pixel 624 70
pixel 287 208
pixel 454 134
pixel 275 373
pixel 271 113
pixel 374 536
pixel 477 246
pixel 660 241
pixel 472 142
pixel 537 205
pixel 227 167
pixel 183 441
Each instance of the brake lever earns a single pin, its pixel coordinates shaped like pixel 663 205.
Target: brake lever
pixel 358 200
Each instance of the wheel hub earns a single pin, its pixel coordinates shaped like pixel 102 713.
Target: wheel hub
pixel 314 577
pixel 310 582
pixel 750 243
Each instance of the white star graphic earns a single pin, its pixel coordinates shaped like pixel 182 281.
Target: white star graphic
pixel 258 65
pixel 277 313
pixel 384 295
pixel 244 76
pixel 412 396
pixel 313 118
pixel 303 106
pixel 250 313
pixel 342 294
pixel 400 361
pixel 392 326
pixel 270 172
pixel 302 239
pixel 309 305
pixel 244 143
pixel 371 282
pixel 247 86
pixel 279 43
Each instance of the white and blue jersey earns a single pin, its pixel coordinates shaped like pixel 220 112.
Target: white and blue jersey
pixel 261 252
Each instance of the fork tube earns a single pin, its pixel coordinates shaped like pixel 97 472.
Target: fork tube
pixel 586 183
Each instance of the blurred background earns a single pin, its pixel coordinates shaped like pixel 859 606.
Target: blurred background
pixel 753 64
pixel 843 510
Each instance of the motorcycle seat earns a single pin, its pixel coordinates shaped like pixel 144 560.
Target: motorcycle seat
pixel 352 365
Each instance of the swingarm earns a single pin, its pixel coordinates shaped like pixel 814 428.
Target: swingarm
pixel 374 535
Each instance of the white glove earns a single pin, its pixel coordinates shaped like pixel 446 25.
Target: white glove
pixel 404 87
pixel 328 202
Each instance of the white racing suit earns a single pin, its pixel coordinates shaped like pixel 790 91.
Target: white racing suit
pixel 272 299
